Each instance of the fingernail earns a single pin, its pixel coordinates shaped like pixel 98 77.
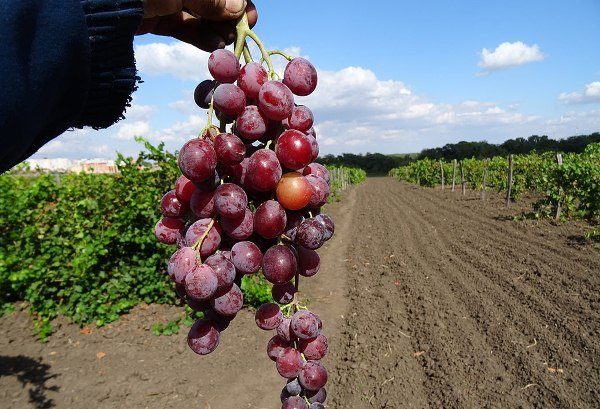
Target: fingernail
pixel 234 6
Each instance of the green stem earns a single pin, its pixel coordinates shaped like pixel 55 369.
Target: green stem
pixel 281 53
pixel 247 55
pixel 241 29
pixel 265 54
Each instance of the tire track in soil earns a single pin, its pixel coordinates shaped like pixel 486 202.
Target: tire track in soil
pixel 461 307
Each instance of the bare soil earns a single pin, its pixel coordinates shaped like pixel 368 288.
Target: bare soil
pixel 429 299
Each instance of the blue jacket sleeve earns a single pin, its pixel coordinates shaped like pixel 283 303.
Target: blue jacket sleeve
pixel 63 64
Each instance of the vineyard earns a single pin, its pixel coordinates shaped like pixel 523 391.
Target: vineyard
pixel 571 181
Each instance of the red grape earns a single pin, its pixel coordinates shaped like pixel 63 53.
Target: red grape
pixel 197 160
pixel 310 234
pixel 230 200
pixel 293 149
pixel 308 262
pixel 314 147
pixel 184 188
pixel 229 99
pixel 283 293
pixel 316 396
pixel 181 263
pixel 264 170
pixel 171 206
pixel 251 78
pixel 251 124
pixel 279 264
pixel 289 363
pixel 301 119
pixel 328 226
pixel 276 346
pixel 294 402
pixel 270 219
pixel 293 191
pixel 268 316
pixel 211 241
pixel 201 282
pixel 246 257
pixel 305 324
pixel 229 149
pixel 224 270
pixel 168 230
pixel 239 228
pixel 314 349
pixel 300 76
pixel 275 100
pixel 313 376
pixel 202 203
pixel 320 191
pixel 318 170
pixel 293 221
pixel 203 337
pixel 203 93
pixel 223 66
pixel 284 331
pixel 228 303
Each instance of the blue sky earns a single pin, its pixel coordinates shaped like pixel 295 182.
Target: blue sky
pixel 394 76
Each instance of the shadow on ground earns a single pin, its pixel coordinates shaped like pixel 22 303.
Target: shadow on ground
pixel 32 374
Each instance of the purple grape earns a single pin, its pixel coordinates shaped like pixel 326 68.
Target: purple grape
pixel 197 160
pixel 293 387
pixel 230 302
pixel 230 200
pixel 202 203
pixel 294 219
pixel 305 324
pixel 276 346
pixel 203 337
pixel 224 270
pixel 310 234
pixel 279 264
pixel 229 148
pixel 251 124
pixel 316 405
pixel 270 219
pixel 275 100
pixel 203 93
pixel 318 170
pixel 314 349
pixel 239 228
pixel 301 119
pixel 327 223
pixel 300 76
pixel 201 282
pixel 320 191
pixel 264 170
pixel 251 78
pixel 229 100
pixel 313 376
pixel 223 66
pixel 283 293
pixel 268 316
pixel 309 262
pixel 246 257
pixel 284 331
pixel 167 230
pixel 289 363
pixel 181 263
pixel 294 402
pixel 316 396
pixel 211 241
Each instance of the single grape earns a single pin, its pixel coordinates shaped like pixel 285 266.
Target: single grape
pixel 313 376
pixel 327 223
pixel 310 234
pixel 202 203
pixel 201 282
pixel 301 119
pixel 167 230
pixel 230 200
pixel 203 337
pixel 279 264
pixel 224 270
pixel 203 93
pixel 223 66
pixel 276 346
pixel 251 124
pixel 320 191
pixel 211 242
pixel 181 263
pixel 239 228
pixel 284 330
pixel 300 76
pixel 316 396
pixel 268 316
pixel 264 170
pixel 228 303
pixel 294 402
pixel 275 100
pixel 252 76
pixel 314 349
pixel 283 293
pixel 293 191
pixel 309 262
pixel 293 387
pixel 316 405
pixel 290 363
pixel 314 147
pixel 318 170
pixel 184 189
pixel 246 257
pixel 211 183
pixel 270 219
pixel 229 148
pixel 197 160
pixel 294 149
pixel 305 324
pixel 293 221
pixel 229 100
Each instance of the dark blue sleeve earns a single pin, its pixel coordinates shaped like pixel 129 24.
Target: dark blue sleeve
pixel 63 64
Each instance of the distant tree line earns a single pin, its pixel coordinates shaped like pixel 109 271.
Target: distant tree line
pixel 380 164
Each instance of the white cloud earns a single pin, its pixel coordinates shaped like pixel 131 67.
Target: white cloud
pixel 508 55
pixel 139 111
pixel 130 130
pixel 181 60
pixel 590 94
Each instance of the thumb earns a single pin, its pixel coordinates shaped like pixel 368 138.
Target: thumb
pixel 216 9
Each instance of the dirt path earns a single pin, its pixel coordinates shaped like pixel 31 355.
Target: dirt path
pixel 454 305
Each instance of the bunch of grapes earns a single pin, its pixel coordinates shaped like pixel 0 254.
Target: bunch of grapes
pixel 248 201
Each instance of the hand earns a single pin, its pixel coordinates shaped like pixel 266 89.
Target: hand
pixel 206 24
